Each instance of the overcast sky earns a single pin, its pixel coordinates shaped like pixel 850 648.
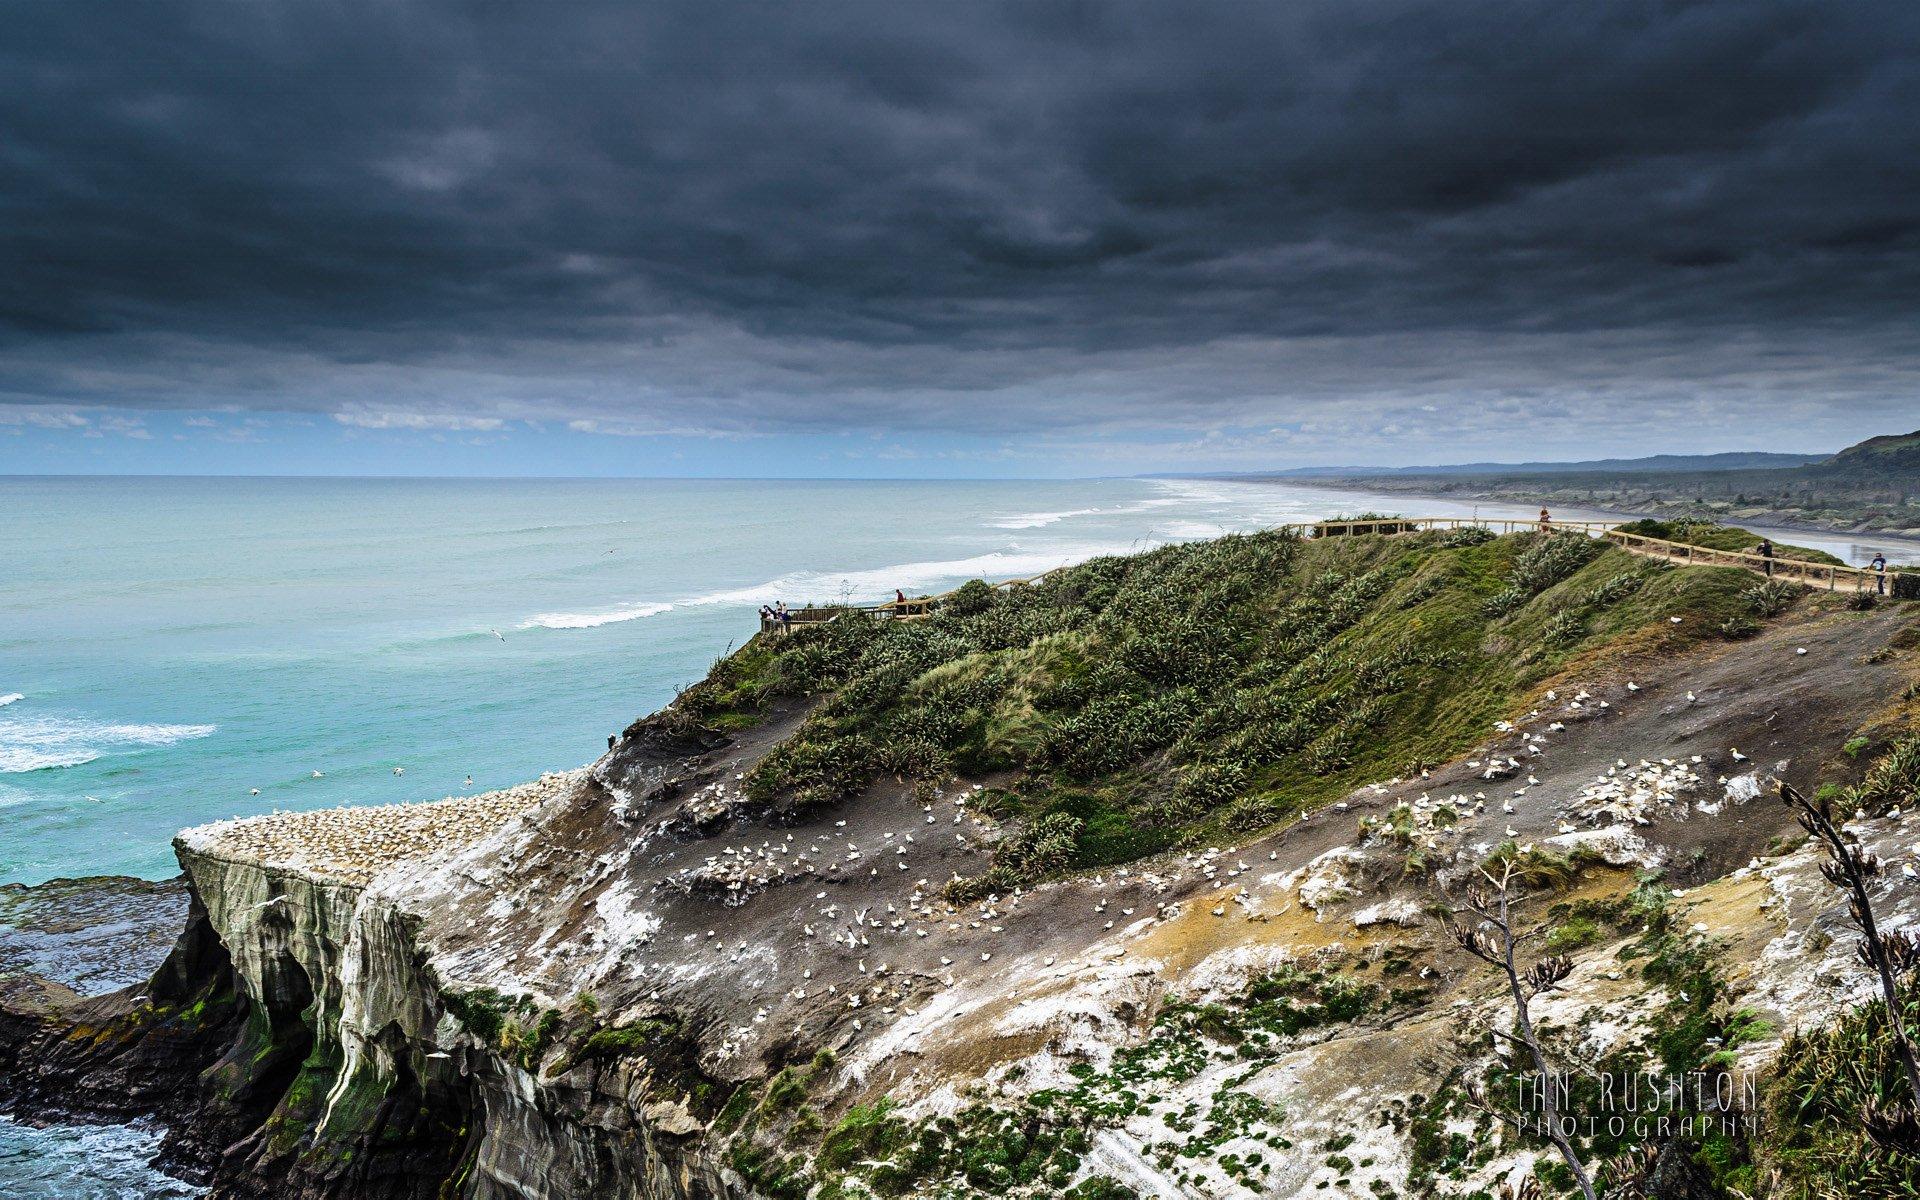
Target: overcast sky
pixel 910 237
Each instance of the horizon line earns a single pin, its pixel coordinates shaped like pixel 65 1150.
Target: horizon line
pixel 577 478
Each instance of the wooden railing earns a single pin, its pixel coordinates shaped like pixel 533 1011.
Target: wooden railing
pixel 1810 574
pixel 810 615
pixel 1828 576
pixel 1393 525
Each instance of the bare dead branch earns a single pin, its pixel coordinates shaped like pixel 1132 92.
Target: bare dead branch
pixel 1493 941
pixel 1848 867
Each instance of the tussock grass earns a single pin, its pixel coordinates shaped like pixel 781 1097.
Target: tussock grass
pixel 1208 688
pixel 1829 1080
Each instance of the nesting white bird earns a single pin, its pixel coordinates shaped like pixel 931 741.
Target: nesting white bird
pixel 356 843
pixel 1734 753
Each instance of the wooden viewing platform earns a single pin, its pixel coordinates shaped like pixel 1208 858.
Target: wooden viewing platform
pixel 1823 576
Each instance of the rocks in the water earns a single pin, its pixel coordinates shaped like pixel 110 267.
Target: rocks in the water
pixel 92 935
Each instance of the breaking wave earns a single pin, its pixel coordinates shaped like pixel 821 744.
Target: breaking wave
pixel 802 587
pixel 41 743
pixel 1035 520
pixel 593 620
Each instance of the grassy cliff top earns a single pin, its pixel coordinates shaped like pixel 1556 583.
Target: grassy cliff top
pixel 1134 703
pixel 1722 537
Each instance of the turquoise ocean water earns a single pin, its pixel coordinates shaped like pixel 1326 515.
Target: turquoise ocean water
pixel 169 645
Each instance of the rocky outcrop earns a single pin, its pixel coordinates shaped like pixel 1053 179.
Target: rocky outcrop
pixel 135 1052
pixel 365 1073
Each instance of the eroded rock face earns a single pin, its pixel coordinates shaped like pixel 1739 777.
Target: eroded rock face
pixel 383 1091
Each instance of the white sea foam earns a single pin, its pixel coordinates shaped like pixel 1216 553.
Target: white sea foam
pixel 910 577
pixel 1035 520
pixel 801 587
pixel 1189 530
pixel 86 1160
pixel 1214 507
pixel 9 698
pixel 593 620
pixel 39 743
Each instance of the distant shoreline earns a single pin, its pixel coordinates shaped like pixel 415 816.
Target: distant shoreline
pixel 1767 518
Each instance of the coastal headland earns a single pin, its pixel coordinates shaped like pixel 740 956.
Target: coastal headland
pixel 1127 881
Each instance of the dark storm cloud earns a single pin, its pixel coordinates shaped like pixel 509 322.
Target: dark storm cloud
pixel 723 216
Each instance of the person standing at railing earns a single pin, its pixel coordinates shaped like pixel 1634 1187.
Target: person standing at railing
pixel 1546 520
pixel 1765 550
pixel 1879 568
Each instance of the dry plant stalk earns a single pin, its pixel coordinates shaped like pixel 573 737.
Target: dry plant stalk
pixel 1848 867
pixel 1492 940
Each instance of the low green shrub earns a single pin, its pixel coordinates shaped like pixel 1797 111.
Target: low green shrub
pixel 1770 598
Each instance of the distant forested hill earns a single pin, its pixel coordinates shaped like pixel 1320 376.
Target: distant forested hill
pixel 1732 461
pixel 1874 485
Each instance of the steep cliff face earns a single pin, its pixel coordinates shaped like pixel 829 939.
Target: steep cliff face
pixel 390 1047
pixel 303 948
pixel 378 1080
pixel 650 979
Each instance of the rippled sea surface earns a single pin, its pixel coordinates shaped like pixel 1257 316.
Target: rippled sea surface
pixel 84 1162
